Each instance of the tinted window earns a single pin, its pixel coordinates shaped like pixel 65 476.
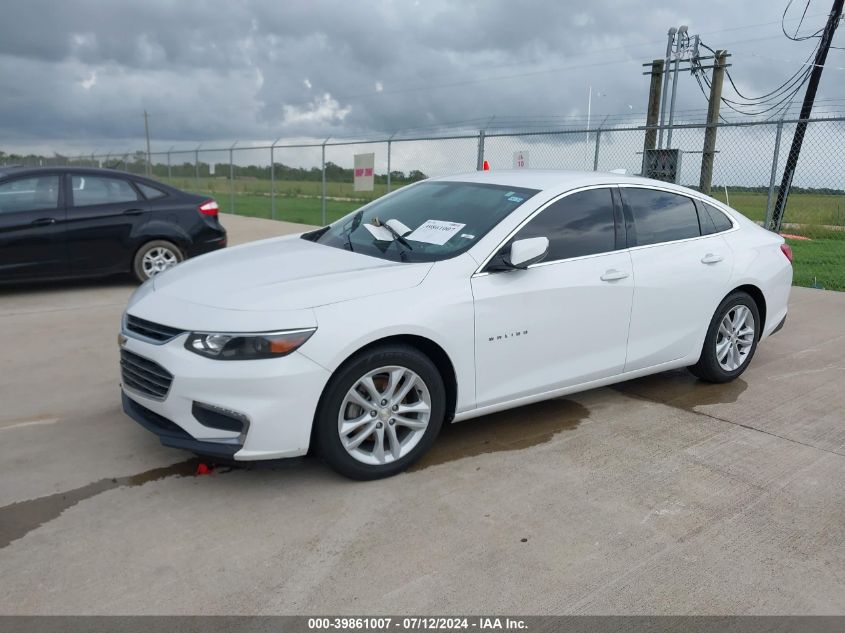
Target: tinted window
pixel 577 225
pixel 29 194
pixel 90 190
pixel 660 216
pixel 720 220
pixel 150 193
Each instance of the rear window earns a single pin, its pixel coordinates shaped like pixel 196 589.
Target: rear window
pixel 150 193
pixel 719 220
pixel 661 216
pixel 91 190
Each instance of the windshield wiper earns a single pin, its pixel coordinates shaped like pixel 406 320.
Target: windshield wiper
pixel 356 222
pixel 398 237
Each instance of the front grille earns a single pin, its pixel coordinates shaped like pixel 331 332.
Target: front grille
pixel 149 330
pixel 144 376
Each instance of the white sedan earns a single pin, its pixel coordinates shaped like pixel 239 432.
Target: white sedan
pixel 446 300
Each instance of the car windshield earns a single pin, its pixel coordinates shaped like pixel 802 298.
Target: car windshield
pixel 425 222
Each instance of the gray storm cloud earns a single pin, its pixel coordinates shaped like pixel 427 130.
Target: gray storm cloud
pixel 84 71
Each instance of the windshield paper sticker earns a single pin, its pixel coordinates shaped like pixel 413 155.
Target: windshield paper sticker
pixel 515 199
pixel 435 232
pixel 380 233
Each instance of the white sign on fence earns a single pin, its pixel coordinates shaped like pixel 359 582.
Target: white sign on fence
pixel 520 160
pixel 364 168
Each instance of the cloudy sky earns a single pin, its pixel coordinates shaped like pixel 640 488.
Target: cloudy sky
pixel 80 73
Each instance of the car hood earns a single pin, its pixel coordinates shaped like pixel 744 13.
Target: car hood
pixel 286 273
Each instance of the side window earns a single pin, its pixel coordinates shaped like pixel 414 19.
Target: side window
pixel 660 216
pixel 29 194
pixel 150 193
pixel 720 220
pixel 91 190
pixel 579 224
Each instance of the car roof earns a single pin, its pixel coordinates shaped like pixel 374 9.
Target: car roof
pixel 23 170
pixel 552 179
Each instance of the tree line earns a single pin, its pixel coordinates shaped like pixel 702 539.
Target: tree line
pixel 136 164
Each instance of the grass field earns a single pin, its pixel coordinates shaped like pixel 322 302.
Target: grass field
pixel 819 262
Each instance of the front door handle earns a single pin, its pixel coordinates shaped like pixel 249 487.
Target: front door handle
pixel 133 212
pixel 613 275
pixel 710 258
pixel 43 221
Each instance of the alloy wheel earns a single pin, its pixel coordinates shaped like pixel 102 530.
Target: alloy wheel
pixel 735 338
pixel 157 260
pixel 384 415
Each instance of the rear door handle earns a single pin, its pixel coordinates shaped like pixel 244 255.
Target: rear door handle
pixel 43 221
pixel 613 275
pixel 710 258
pixel 133 212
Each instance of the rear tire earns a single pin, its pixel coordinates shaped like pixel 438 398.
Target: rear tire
pixel 155 257
pixel 381 411
pixel 731 339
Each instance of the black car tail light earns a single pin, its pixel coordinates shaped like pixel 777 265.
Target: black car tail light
pixel 209 207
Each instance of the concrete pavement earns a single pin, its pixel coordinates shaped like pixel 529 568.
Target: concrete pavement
pixel 663 495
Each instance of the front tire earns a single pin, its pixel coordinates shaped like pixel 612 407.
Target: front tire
pixel 381 411
pixel 154 258
pixel 731 339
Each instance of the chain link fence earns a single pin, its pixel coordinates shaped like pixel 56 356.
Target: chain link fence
pixel 312 183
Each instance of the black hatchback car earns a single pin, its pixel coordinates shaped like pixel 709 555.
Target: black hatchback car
pixel 75 222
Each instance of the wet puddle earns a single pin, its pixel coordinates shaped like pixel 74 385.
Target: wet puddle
pixel 505 431
pixel 681 389
pixel 18 519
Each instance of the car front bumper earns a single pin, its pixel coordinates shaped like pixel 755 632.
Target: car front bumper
pixel 259 409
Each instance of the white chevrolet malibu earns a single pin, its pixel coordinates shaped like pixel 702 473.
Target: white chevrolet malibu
pixel 446 300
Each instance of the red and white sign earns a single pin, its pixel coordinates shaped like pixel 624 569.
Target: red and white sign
pixel 520 160
pixel 364 171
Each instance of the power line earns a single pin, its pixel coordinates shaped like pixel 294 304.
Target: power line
pixel 794 37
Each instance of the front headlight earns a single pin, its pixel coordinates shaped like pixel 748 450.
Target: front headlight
pixel 240 346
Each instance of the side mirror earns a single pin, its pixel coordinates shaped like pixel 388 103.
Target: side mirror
pixel 523 253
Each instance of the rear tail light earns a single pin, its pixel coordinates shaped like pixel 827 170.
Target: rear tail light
pixel 209 207
pixel 786 249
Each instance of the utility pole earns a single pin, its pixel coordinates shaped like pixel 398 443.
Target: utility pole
pixel 706 179
pixel 653 112
pixel 671 41
pixel 680 41
pixel 806 109
pixel 147 132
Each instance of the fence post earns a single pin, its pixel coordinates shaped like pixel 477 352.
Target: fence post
pixel 197 164
pixel 272 183
pixel 273 178
pixel 480 163
pixel 323 185
pixel 388 165
pixel 769 200
pixel 596 156
pixel 232 178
